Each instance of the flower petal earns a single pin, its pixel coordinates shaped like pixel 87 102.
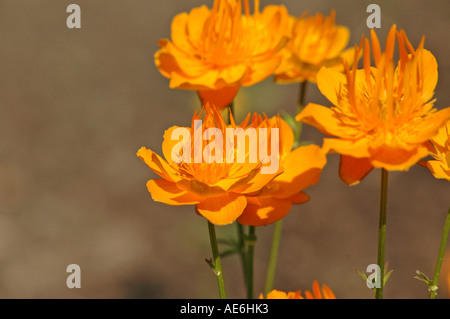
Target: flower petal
pixel 157 164
pixel 195 24
pixel 397 159
pixel 255 181
pixel 221 98
pixel 264 211
pixel 429 127
pixel 324 119
pixel 299 198
pixel 330 82
pixel 430 74
pixel 327 292
pixel 302 168
pixel 168 193
pixel 339 42
pixel 355 148
pixel 316 290
pixel 439 170
pixel 166 62
pixel 179 35
pixel 222 210
pixel 352 170
pixel 261 70
pixel 199 188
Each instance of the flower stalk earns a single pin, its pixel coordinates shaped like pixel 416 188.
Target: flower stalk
pixel 437 271
pixel 382 231
pixel 216 264
pixel 273 257
pixel 251 241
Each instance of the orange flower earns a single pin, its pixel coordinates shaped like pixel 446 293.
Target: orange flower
pixel 216 51
pixel 317 293
pixel 316 42
pixel 382 116
pixel 440 150
pixel 214 184
pixel 302 168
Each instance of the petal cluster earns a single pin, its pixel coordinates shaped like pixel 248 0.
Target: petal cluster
pixel 301 168
pixel 217 188
pixel 215 51
pixel 316 41
pixel 382 116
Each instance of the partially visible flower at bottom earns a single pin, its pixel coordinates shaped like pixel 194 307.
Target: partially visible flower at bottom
pixel 317 293
pixel 440 150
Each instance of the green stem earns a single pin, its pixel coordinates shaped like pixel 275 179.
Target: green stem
pixel 241 247
pixel 240 228
pixel 251 240
pixel 437 270
pixel 300 106
pixel 217 265
pixel 232 111
pixel 301 95
pixel 382 230
pixel 273 256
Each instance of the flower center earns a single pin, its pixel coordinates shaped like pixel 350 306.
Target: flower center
pixel 229 38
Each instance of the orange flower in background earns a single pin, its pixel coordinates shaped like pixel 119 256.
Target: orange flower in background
pixel 382 116
pixel 440 151
pixel 316 42
pixel 317 293
pixel 302 168
pixel 216 187
pixel 216 51
pixel 277 294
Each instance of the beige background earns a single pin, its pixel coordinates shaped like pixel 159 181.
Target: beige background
pixel 76 105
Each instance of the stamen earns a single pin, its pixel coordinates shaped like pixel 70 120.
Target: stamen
pixel 375 47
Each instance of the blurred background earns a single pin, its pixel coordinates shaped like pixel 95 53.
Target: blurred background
pixel 77 104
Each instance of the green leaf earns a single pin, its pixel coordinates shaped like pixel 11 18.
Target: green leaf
pixel 228 252
pixel 361 274
pixel 289 120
